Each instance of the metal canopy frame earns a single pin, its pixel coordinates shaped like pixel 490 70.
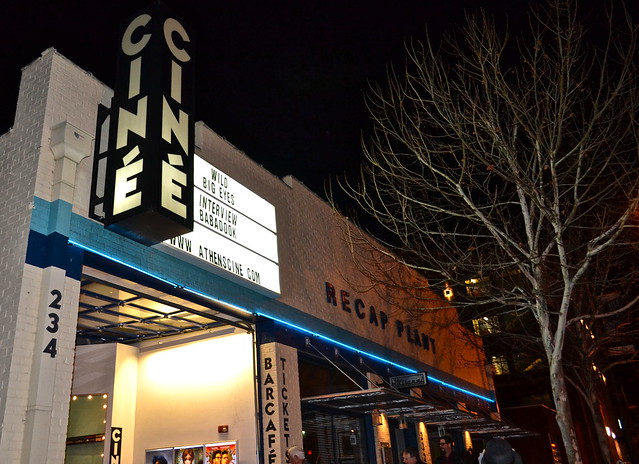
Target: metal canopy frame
pixel 416 409
pixel 116 310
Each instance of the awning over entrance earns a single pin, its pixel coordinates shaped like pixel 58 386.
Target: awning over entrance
pixel 416 409
pixel 114 309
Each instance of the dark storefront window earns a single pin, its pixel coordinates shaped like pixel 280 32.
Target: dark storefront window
pixel 331 438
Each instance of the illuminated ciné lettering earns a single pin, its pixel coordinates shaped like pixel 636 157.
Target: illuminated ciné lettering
pixel 152 135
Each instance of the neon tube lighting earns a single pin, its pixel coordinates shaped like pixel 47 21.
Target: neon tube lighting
pixel 378 358
pixel 281 321
pixel 336 342
pixel 173 284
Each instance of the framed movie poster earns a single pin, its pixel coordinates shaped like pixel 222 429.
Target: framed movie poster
pixel 221 453
pixel 159 456
pixel 189 455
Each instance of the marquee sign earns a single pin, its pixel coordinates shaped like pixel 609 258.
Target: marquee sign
pixel 234 233
pixel 149 172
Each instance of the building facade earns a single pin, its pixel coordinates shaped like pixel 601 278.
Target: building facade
pixel 251 334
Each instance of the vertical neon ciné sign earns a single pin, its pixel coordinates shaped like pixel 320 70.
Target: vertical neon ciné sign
pixel 149 179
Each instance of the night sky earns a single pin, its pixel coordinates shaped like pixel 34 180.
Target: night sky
pixel 283 81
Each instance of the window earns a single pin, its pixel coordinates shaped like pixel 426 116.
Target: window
pixel 333 438
pixel 500 365
pixel 477 287
pixel 486 325
pixel 86 429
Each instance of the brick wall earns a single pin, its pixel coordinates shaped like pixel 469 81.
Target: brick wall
pixel 52 90
pixel 20 150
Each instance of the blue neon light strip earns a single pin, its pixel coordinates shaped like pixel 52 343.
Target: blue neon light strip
pixel 145 272
pixel 281 321
pixel 331 340
pixel 370 355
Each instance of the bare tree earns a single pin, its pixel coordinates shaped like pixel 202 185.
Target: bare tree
pixel 608 300
pixel 514 163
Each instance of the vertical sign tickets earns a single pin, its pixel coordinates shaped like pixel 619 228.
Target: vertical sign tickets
pixel 280 391
pixel 149 179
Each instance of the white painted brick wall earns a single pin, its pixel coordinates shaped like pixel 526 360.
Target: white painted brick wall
pixel 52 90
pixel 19 151
pixel 73 96
pixel 17 392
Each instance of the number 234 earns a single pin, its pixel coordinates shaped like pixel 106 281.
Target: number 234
pixel 54 323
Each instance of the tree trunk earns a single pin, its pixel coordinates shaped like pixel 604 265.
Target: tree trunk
pixel 558 384
pixel 564 416
pixel 599 428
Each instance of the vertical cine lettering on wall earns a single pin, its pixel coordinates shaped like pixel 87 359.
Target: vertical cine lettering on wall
pixel 280 395
pixel 149 178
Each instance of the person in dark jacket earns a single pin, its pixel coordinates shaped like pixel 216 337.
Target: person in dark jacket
pixel 448 456
pixel 499 451
pixel 411 456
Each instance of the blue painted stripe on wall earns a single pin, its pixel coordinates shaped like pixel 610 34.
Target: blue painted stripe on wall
pixel 76 259
pixel 44 251
pixel 60 217
pixel 48 218
pixel 40 216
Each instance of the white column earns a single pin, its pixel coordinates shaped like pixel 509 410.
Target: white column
pixel 51 370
